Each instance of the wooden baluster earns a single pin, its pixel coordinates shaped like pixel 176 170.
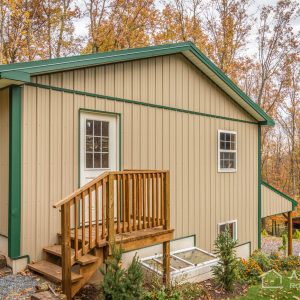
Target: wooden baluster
pixel 83 223
pixel 148 200
pixel 145 200
pixel 110 216
pixel 97 212
pixel 103 207
pixel 66 250
pixel 140 202
pixel 76 227
pixel 153 201
pixel 134 202
pixel 157 200
pixel 90 219
pixel 118 204
pixel 124 201
pixel 162 199
pixel 128 202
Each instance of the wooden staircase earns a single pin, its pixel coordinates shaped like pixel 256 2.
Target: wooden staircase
pixel 132 209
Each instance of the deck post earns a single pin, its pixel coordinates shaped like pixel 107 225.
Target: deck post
pixel 166 245
pixel 290 233
pixel 110 215
pixel 66 251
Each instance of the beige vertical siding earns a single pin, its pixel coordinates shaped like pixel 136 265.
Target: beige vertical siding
pixel 169 80
pixel 272 203
pixel 4 160
pixel 153 138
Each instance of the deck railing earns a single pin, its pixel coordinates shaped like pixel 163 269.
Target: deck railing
pixel 114 203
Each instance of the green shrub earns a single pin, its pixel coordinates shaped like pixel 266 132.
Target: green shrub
pixel 296 234
pixel 290 263
pixel 249 271
pixel 262 260
pixel 264 233
pixel 121 284
pixel 226 271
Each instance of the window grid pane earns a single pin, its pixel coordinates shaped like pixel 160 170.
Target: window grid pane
pixel 97 144
pixel 227 150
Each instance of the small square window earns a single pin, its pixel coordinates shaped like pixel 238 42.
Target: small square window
pixel 227 151
pixel 231 226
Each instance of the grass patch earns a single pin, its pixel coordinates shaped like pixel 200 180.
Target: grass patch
pixel 290 289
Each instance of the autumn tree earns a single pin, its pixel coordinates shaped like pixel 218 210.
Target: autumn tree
pixel 120 24
pixel 180 21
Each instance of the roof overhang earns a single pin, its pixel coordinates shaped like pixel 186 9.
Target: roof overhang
pixel 21 72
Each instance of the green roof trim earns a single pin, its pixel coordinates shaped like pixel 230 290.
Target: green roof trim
pixel 23 71
pixel 15 75
pixel 293 201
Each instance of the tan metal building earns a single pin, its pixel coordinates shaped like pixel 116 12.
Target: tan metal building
pixel 65 121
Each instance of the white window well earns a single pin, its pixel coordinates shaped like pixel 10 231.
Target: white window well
pixel 231 225
pixel 227 151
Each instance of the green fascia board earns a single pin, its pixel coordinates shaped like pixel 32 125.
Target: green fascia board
pixel 14 213
pixel 74 62
pixel 15 75
pixel 293 201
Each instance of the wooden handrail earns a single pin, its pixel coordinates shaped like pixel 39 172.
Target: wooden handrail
pixel 80 190
pixel 125 201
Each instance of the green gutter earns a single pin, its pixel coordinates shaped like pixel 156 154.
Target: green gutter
pixel 259 189
pixel 123 100
pixel 14 214
pixel 293 201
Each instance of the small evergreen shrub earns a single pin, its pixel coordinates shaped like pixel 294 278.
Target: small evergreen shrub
pixel 283 247
pixel 296 234
pixel 264 233
pixel 226 271
pixel 121 284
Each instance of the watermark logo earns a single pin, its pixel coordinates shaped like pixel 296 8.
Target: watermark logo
pixel 271 280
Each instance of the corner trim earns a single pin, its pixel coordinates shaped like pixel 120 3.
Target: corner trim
pixel 14 213
pixel 259 189
pixel 123 100
pixel 285 196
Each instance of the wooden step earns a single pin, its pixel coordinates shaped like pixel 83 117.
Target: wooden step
pixel 52 271
pixel 83 260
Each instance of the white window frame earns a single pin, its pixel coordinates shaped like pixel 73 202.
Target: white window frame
pixel 231 170
pixel 235 228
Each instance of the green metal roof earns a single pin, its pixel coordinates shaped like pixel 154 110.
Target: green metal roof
pixel 21 72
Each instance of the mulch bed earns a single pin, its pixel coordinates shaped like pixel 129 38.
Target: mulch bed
pixel 213 290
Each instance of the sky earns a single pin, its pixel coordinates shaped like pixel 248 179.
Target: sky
pixel 81 26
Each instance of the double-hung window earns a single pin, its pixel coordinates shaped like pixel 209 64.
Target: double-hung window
pixel 227 151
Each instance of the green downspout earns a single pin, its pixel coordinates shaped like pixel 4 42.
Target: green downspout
pixel 14 213
pixel 259 188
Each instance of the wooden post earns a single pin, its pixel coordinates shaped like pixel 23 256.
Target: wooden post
pixel 66 251
pixel 110 210
pixel 166 245
pixel 290 233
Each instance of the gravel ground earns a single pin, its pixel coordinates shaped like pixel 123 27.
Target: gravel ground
pixel 271 244
pixel 17 287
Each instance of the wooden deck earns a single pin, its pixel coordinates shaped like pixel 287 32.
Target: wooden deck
pixel 128 240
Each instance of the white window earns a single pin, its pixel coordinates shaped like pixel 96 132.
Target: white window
pixel 227 155
pixel 96 144
pixel 231 225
